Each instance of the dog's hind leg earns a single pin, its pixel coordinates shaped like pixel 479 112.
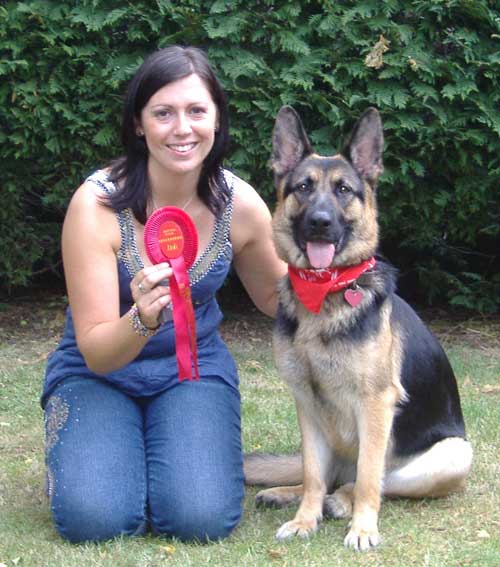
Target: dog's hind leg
pixel 279 496
pixel 339 504
pixel 438 471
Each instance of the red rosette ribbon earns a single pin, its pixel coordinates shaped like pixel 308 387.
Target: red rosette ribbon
pixel 170 236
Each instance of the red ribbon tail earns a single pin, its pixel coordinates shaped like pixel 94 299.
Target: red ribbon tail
pixel 182 346
pixel 192 327
pixel 184 322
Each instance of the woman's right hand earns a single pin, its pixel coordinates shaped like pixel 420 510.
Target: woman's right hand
pixel 150 293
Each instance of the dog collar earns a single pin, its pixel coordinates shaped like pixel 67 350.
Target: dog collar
pixel 312 286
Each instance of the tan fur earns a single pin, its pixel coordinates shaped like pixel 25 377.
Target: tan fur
pixel 258 468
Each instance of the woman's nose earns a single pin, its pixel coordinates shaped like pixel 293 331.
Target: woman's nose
pixel 182 124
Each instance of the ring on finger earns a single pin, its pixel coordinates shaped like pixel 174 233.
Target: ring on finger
pixel 140 287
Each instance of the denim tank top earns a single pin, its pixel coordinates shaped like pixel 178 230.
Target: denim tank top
pixel 155 368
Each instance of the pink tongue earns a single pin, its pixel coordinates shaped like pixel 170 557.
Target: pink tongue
pixel 320 254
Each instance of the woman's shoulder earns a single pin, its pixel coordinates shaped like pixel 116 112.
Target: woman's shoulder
pixel 251 216
pixel 87 214
pixel 246 200
pixel 100 182
pixel 237 184
pixel 243 193
pixel 92 193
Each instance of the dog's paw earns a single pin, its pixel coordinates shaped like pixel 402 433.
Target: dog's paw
pixel 337 506
pixel 274 498
pixel 298 528
pixel 363 534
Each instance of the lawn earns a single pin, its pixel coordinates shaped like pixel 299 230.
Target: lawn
pixel 459 530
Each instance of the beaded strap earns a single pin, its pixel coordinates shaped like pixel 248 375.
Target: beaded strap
pixel 219 245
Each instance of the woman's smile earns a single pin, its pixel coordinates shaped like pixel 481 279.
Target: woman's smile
pixel 182 148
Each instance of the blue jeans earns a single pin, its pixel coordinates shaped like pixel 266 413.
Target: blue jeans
pixel 116 464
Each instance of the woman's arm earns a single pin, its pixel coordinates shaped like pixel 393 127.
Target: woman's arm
pixel 255 258
pixel 90 240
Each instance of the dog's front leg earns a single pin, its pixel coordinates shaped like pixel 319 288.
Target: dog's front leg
pixel 374 423
pixel 316 458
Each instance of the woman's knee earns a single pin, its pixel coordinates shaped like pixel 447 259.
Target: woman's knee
pixel 96 469
pixel 195 467
pixel 85 519
pixel 198 522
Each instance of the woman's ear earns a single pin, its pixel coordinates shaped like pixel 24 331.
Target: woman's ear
pixel 138 128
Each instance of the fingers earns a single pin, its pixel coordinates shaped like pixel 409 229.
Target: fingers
pixel 151 304
pixel 151 293
pixel 147 279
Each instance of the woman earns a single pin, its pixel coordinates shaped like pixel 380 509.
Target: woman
pixel 128 444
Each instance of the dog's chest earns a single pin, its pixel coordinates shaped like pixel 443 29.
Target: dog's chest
pixel 334 407
pixel 332 368
pixel 328 381
pixel 333 357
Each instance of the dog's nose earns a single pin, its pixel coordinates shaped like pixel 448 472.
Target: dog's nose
pixel 320 220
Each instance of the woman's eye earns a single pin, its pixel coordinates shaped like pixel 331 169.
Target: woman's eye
pixel 197 110
pixel 162 114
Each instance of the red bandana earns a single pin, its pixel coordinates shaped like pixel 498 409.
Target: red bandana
pixel 312 286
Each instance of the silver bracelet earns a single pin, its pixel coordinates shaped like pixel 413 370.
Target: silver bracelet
pixel 138 326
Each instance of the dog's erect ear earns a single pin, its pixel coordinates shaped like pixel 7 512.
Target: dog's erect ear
pixel 290 141
pixel 366 145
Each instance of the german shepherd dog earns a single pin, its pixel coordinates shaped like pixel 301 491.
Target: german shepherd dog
pixel 377 401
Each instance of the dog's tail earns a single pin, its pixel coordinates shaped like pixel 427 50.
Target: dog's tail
pixel 272 470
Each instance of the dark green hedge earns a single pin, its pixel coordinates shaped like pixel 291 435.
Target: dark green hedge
pixel 431 67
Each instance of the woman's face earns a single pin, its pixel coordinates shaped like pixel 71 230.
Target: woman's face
pixel 178 124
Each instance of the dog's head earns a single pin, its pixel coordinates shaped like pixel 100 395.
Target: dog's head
pixel 326 213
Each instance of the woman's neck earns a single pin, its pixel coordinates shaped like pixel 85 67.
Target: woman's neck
pixel 172 190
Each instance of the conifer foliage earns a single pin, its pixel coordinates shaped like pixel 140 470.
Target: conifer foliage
pixel 431 67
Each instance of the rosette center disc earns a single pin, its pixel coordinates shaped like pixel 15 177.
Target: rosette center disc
pixel 171 239
pixel 169 234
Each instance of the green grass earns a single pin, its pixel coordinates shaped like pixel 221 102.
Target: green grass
pixel 458 530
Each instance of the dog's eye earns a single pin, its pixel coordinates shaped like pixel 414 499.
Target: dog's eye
pixel 343 189
pixel 303 187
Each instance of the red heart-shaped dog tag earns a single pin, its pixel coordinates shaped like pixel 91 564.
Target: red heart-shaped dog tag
pixel 353 297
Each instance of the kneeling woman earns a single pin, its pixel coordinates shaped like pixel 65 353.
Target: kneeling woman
pixel 128 444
